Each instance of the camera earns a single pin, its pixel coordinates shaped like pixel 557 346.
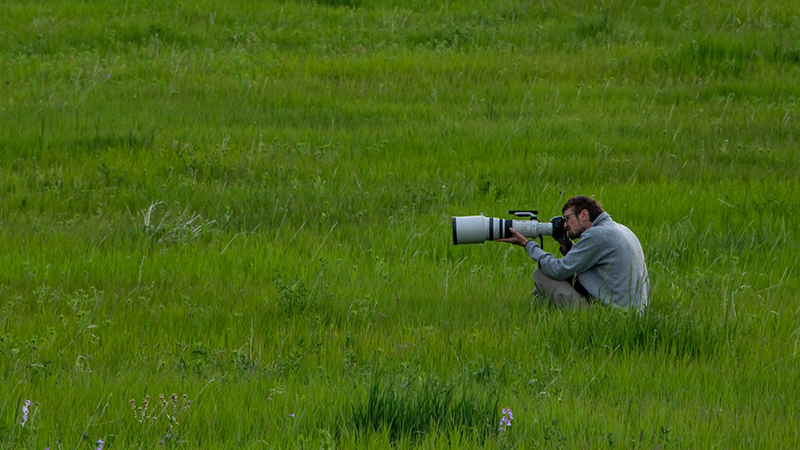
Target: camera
pixel 479 229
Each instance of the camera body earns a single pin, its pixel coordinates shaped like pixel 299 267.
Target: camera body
pixel 479 229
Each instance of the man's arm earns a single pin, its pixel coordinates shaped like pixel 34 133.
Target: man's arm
pixel 522 241
pixel 580 258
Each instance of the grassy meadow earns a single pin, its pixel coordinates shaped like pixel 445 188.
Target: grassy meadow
pixel 247 205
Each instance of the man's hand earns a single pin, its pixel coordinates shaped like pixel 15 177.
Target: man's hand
pixel 518 239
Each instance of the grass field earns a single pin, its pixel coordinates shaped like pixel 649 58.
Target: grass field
pixel 247 205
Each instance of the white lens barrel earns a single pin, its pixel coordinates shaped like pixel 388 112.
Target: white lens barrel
pixel 479 229
pixel 470 230
pixel 533 228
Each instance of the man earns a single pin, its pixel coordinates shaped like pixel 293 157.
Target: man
pixel 606 265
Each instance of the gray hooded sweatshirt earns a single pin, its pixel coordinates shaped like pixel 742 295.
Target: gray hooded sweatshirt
pixel 608 261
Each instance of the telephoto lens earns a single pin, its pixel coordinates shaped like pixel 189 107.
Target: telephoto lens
pixel 479 229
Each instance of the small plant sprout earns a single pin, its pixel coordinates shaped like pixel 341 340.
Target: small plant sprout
pixel 505 422
pixel 163 415
pixel 25 412
pixel 140 413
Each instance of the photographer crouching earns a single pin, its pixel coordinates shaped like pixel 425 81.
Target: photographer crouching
pixel 606 265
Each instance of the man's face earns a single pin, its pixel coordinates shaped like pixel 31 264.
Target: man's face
pixel 573 223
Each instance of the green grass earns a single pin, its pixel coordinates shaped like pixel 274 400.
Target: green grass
pixel 249 203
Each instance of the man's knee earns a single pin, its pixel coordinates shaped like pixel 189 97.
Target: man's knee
pixel 539 277
pixel 543 282
pixel 560 292
pixel 544 285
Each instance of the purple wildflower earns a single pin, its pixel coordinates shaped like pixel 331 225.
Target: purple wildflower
pixel 25 412
pixel 291 415
pixel 506 420
pixel 100 443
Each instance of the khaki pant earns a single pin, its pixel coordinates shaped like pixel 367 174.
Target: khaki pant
pixel 560 292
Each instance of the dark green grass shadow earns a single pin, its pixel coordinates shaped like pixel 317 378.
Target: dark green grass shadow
pixel 411 409
pixel 661 329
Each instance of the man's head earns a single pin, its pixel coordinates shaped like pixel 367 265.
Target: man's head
pixel 579 213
